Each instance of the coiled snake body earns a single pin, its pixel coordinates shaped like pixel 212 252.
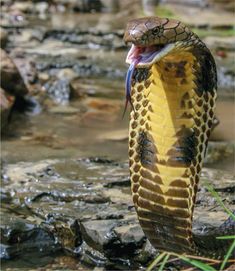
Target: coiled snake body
pixel 171 85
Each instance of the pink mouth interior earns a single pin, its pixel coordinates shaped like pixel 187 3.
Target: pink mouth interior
pixel 143 54
pixel 135 56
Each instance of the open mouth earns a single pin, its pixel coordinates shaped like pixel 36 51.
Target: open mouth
pixel 145 56
pixel 141 57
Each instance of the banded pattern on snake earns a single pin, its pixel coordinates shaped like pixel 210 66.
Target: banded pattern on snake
pixel 171 84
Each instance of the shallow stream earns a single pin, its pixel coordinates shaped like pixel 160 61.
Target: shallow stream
pixel 58 165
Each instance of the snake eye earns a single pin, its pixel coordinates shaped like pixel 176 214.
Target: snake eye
pixel 156 31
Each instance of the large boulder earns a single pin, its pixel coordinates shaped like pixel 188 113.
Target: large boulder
pixel 11 79
pixel 6 103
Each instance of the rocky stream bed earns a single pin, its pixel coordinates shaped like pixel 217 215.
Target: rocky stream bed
pixel 83 208
pixel 65 188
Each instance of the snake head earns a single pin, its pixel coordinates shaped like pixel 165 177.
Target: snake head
pixel 153 38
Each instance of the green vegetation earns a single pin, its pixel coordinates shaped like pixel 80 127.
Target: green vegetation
pixel 163 11
pixel 202 33
pixel 201 263
pixel 228 254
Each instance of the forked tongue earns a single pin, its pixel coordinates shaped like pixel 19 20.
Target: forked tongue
pixel 138 55
pixel 129 76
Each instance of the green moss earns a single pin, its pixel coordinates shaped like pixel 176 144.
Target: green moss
pixel 202 33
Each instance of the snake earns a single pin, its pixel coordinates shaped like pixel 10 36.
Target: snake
pixel 171 85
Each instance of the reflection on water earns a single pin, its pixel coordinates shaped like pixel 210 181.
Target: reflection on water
pixel 71 131
pixel 63 132
pixel 225 132
pixel 225 111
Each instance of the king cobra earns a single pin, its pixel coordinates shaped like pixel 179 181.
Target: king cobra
pixel 171 85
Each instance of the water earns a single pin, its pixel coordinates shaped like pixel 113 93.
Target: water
pixel 63 135
pixel 71 135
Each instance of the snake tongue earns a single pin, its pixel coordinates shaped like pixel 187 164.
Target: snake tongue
pixel 129 76
pixel 144 55
pixel 138 55
pixel 135 56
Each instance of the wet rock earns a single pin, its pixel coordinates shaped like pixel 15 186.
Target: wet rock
pixel 130 234
pixel 123 182
pixel 16 79
pixel 14 19
pixel 24 37
pixel 218 151
pixel 11 79
pixel 5 196
pixel 68 234
pixel 69 197
pixel 88 217
pixel 30 171
pixel 206 203
pixel 24 239
pixel 43 77
pixel 42 8
pixel 100 160
pixel 90 256
pixel 83 6
pixel 90 6
pixel 67 73
pixel 47 49
pixel 28 105
pixel 27 69
pixel 117 196
pixel 77 92
pixel 59 91
pixel 80 89
pixel 110 213
pixel 49 60
pixel 3 37
pixel 6 102
pixel 91 39
pixel 97 234
pixel 146 254
pixel 226 77
pixel 24 7
pixel 214 177
pixel 4 255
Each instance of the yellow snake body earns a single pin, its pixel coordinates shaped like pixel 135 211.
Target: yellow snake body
pixel 170 124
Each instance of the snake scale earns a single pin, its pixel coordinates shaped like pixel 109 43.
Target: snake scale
pixel 171 85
